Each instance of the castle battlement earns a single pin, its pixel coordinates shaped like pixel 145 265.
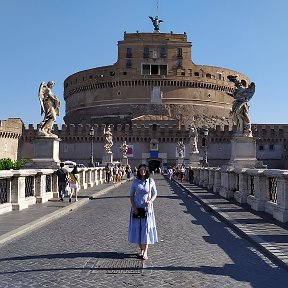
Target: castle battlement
pixel 163 132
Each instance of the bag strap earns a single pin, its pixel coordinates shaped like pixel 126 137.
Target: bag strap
pixel 75 177
pixel 150 188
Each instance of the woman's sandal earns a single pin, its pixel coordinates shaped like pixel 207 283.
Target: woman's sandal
pixel 144 257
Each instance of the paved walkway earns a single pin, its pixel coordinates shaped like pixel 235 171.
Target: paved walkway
pixel 268 234
pixel 16 223
pixel 87 246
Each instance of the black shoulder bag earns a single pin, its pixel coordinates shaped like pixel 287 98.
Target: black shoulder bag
pixel 142 212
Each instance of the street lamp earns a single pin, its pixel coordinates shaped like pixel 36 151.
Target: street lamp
pixel 205 160
pixel 91 134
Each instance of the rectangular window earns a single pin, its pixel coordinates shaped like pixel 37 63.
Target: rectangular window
pixel 163 52
pixel 179 53
pixel 261 147
pixel 129 63
pixel 179 63
pixel 271 147
pixel 154 70
pixel 146 69
pixel 146 52
pixel 163 69
pixel 129 53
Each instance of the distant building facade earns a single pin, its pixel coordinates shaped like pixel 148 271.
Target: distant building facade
pixel 10 133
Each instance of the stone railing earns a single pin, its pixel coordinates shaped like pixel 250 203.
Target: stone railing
pixel 263 189
pixel 21 188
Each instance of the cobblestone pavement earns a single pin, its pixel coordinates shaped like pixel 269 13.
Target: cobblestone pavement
pixel 88 248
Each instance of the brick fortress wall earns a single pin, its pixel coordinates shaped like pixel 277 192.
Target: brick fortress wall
pixel 75 144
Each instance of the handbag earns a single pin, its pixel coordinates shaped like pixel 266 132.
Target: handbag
pixel 142 213
pixel 67 190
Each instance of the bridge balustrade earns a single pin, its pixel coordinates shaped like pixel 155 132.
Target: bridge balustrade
pixel 263 189
pixel 21 188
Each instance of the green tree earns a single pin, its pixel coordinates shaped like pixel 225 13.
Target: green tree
pixel 7 163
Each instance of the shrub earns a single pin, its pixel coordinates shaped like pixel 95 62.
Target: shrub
pixel 7 164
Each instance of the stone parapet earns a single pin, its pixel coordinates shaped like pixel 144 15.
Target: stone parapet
pixel 25 187
pixel 263 189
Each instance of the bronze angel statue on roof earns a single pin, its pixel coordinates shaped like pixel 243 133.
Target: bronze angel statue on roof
pixel 156 23
pixel 50 105
pixel 240 109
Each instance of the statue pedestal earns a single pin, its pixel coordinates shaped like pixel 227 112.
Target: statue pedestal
pixel 194 159
pixel 46 153
pixel 107 158
pixel 124 161
pixel 243 153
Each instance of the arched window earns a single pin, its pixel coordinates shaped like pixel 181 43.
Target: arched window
pixel 208 75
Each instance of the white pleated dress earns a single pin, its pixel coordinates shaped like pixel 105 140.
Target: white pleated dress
pixel 143 231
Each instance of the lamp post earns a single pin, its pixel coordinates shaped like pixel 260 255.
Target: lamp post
pixel 205 160
pixel 91 134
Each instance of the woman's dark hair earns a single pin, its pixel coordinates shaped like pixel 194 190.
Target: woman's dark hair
pixel 147 174
pixel 75 170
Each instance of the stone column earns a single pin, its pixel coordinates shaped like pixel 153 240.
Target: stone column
pixel 281 211
pixel 196 176
pixel 225 185
pixel 206 178
pixel 201 178
pixel 211 173
pixel 42 195
pixel 6 177
pixel 257 201
pixel 18 189
pixel 217 181
pixel 242 194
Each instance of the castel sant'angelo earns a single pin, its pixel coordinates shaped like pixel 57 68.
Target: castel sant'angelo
pixel 150 97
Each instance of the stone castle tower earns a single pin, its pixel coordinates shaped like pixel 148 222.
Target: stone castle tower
pixel 154 75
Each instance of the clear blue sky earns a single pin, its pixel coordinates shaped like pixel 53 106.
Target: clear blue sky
pixel 44 40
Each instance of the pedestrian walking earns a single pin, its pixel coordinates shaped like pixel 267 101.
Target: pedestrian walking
pixel 74 182
pixel 182 172
pixel 142 226
pixel 62 175
pixel 107 173
pixel 170 173
pixel 128 172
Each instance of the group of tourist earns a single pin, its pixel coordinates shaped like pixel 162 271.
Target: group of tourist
pixel 176 172
pixel 116 172
pixel 68 182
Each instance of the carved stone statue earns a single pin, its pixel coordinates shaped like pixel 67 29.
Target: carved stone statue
pixel 193 138
pixel 50 106
pixel 124 149
pixel 240 108
pixel 108 140
pixel 180 149
pixel 156 23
